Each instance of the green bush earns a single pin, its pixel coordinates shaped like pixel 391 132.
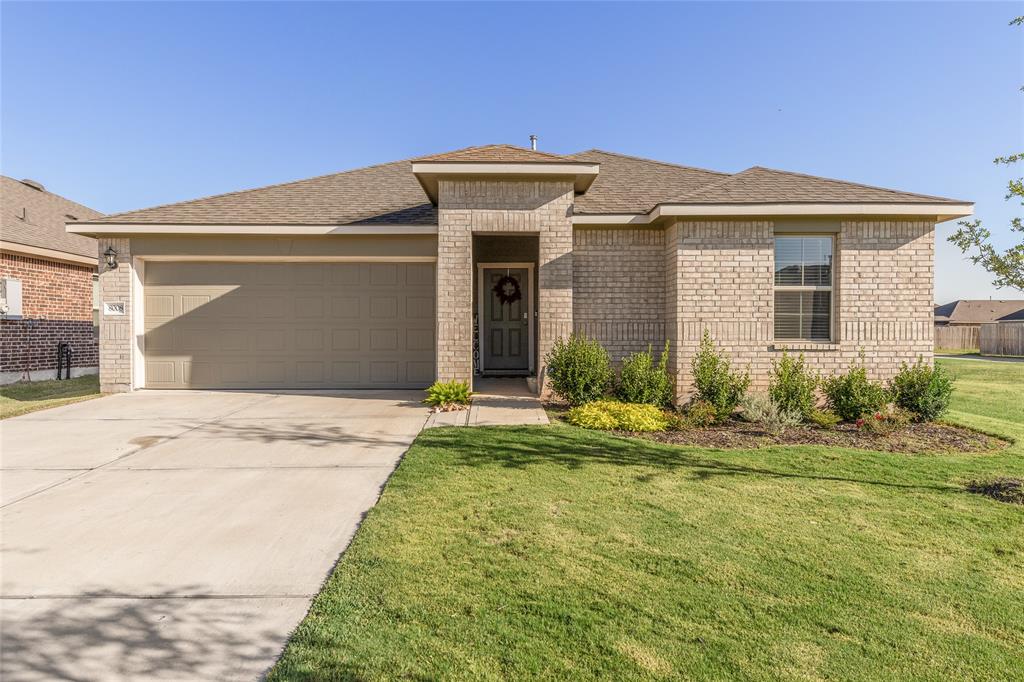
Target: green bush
pixel 579 370
pixel 448 395
pixel 826 419
pixel 714 380
pixel 609 414
pixel 701 414
pixel 852 395
pixel 762 409
pixel 921 389
pixel 677 421
pixel 792 385
pixel 643 381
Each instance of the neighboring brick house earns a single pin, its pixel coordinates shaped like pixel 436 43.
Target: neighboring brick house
pixel 475 261
pixel 49 279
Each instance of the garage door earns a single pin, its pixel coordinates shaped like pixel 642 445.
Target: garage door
pixel 289 325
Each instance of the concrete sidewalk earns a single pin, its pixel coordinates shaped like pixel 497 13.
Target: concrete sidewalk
pixel 496 402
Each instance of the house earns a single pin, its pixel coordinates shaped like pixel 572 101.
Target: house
pixel 47 277
pixel 477 260
pixel 977 312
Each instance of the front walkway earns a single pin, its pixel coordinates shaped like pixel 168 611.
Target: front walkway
pixel 181 535
pixel 496 402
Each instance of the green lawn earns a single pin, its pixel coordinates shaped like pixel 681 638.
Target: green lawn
pixel 25 397
pixel 554 552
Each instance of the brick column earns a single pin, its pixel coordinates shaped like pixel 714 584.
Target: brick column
pixel 116 336
pixel 499 207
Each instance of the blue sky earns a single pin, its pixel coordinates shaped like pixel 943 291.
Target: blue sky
pixel 126 105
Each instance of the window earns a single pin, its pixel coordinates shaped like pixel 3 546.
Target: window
pixel 803 288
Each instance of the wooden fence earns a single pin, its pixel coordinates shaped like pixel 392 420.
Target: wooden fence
pixel 1002 338
pixel 957 338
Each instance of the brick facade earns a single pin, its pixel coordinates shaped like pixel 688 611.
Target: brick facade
pixel 56 307
pixel 466 207
pixel 720 277
pixel 116 335
pixel 619 288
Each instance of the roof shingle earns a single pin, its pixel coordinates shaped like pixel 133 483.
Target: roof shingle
pixel 45 215
pixel 390 194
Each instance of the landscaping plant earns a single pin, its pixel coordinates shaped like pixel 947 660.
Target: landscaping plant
pixel 714 380
pixel 884 422
pixel 792 385
pixel 826 419
pixel 852 395
pixel 609 414
pixel 644 381
pixel 701 414
pixel 448 396
pixel 579 370
pixel 760 408
pixel 921 389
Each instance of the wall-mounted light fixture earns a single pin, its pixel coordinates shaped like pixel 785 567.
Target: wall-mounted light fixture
pixel 111 255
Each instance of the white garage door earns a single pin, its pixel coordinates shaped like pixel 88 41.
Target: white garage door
pixel 289 325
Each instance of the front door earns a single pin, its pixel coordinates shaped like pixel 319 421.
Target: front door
pixel 505 332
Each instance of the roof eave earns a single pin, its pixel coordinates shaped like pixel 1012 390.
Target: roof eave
pixel 429 172
pixel 96 229
pixel 941 211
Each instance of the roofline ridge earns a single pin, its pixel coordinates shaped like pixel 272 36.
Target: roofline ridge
pixel 59 196
pixel 644 158
pixel 711 185
pixel 859 184
pixel 256 189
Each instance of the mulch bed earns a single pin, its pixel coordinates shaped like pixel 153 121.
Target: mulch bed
pixel 735 434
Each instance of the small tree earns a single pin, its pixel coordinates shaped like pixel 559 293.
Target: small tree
pixel 714 380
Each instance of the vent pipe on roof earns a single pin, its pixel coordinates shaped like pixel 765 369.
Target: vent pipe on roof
pixel 533 142
pixel 34 184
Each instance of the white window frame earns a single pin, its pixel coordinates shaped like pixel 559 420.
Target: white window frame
pixel 802 288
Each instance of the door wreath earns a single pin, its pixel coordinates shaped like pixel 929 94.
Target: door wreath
pixel 507 290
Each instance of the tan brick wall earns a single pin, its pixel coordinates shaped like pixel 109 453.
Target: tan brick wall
pixel 498 207
pixel 116 337
pixel 719 276
pixel 619 288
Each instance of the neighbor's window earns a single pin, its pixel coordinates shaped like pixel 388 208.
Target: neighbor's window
pixel 803 288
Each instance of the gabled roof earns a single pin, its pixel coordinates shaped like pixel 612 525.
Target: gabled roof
pixel 35 217
pixel 630 184
pixel 759 185
pixel 384 194
pixel 496 153
pixel 978 311
pixel 608 184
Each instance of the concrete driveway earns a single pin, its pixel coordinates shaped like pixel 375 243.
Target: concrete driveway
pixel 180 535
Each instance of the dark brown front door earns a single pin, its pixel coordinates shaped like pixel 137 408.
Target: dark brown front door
pixel 506 324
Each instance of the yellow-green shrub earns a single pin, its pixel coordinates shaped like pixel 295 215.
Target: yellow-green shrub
pixel 607 415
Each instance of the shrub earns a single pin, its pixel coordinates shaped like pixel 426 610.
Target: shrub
pixel 677 421
pixel 448 395
pixel 826 419
pixel 643 381
pixel 852 395
pixel 921 389
pixel 762 409
pixel 714 380
pixel 609 414
pixel 701 414
pixel 884 422
pixel 579 370
pixel 792 385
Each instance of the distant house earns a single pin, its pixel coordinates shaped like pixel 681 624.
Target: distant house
pixel 48 280
pixel 976 312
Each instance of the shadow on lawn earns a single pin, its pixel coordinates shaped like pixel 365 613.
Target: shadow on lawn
pixel 574 448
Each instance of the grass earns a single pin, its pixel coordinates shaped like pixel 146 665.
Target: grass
pixel 24 397
pixel 559 553
pixel 958 351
